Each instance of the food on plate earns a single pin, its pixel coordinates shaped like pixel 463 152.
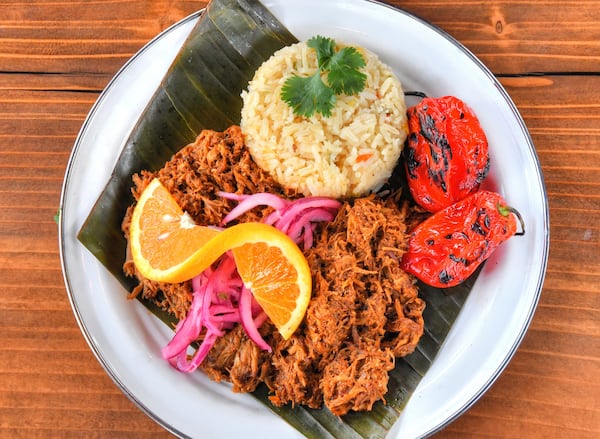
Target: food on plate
pixel 353 148
pixel 219 325
pixel 273 245
pixel 448 246
pixel 446 155
pixel 364 310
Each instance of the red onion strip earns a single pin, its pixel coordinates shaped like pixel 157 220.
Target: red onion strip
pixel 185 365
pixel 187 331
pixel 249 202
pixel 245 306
pixel 299 206
pixel 302 224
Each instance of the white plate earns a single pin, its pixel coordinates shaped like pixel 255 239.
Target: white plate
pixel 126 339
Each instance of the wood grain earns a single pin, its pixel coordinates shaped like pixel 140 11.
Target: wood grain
pixel 56 56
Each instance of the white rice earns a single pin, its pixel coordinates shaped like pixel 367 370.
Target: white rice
pixel 351 153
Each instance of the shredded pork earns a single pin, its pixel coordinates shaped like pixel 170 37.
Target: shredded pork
pixel 364 310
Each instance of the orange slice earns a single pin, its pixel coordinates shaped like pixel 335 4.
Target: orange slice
pixel 163 237
pixel 277 273
pixel 167 246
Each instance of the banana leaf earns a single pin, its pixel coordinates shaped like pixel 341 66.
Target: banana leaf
pixel 202 90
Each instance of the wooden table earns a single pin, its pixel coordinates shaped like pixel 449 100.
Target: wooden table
pixel 57 56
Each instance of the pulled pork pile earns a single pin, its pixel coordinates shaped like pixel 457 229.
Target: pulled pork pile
pixel 364 310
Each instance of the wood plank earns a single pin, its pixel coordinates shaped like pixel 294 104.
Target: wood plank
pixel 80 36
pixel 522 37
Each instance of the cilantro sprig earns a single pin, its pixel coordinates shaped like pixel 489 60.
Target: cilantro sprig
pixel 341 69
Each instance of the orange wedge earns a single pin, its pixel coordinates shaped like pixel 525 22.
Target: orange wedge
pixel 277 273
pixel 167 246
pixel 163 237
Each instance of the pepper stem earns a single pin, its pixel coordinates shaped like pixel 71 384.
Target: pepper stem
pixel 506 210
pixel 419 94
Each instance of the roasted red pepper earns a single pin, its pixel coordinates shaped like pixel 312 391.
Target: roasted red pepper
pixel 447 247
pixel 446 154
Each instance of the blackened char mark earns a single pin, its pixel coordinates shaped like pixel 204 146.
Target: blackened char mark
pixel 439 149
pixel 410 157
pixel 444 277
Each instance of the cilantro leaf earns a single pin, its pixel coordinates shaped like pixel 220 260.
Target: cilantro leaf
pixel 307 95
pixel 325 48
pixel 344 71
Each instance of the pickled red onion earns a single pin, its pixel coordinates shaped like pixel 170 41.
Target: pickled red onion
pixel 219 301
pixel 295 218
pixel 219 298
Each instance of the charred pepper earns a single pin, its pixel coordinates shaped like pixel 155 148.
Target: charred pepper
pixel 447 247
pixel 446 154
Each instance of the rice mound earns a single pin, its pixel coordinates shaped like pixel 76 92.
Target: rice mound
pixel 351 153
